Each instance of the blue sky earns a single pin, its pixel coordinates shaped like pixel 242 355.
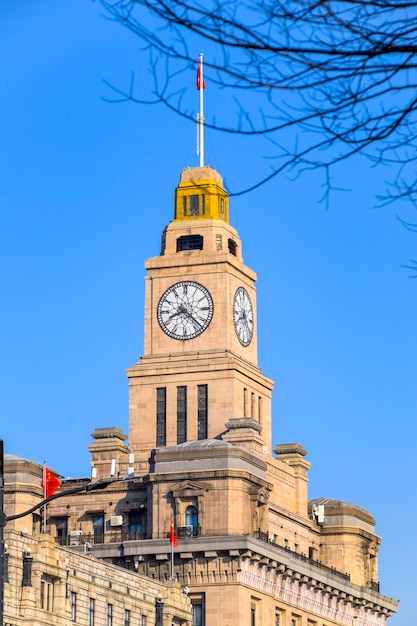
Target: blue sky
pixel 86 188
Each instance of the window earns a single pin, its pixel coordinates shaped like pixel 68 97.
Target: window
pixel 47 594
pixel 203 204
pixel 161 416
pixel 253 615
pixel 189 242
pixel 73 606
pixel 232 247
pixel 295 620
pixel 279 617
pixel 259 409
pixel 193 205
pixel 163 240
pixel 197 612
pixel 143 621
pixel 219 242
pixel 36 524
pixel 197 609
pixel 109 615
pixel 252 404
pixel 181 414
pixel 98 528
pixel 135 525
pixel 6 567
pixel 221 207
pixel 127 618
pixel 61 528
pixel 91 612
pixel 245 402
pixel 191 518
pixel 184 206
pixel 202 412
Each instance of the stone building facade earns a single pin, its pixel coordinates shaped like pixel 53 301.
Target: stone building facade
pixel 47 584
pixel 252 549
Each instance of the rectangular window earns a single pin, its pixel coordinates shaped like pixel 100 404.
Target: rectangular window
pixel 202 412
pixel 42 594
pixel 98 528
pixel 260 409
pixel 36 524
pixel 127 618
pixel 109 615
pixel 91 612
pixel 143 622
pixel 193 205
pixel 190 242
pixel 135 525
pixel 47 595
pixel 232 245
pixel 203 204
pixel 161 416
pixel 73 606
pixel 245 402
pixel 254 610
pixel 61 528
pixel 181 414
pixel 279 617
pixel 219 242
pixel 295 620
pixel 221 207
pixel 252 404
pixel 197 610
pixel 184 206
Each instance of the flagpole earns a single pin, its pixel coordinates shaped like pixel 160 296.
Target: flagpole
pixel 173 542
pixel 44 495
pixel 201 119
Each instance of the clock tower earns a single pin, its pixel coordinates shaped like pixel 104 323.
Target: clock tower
pixel 199 369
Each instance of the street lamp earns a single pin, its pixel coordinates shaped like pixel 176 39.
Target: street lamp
pixel 159 612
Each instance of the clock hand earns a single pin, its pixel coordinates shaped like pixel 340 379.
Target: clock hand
pixel 195 323
pixel 177 312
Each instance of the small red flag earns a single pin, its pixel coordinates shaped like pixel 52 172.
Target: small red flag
pixel 172 536
pixel 52 482
pixel 199 87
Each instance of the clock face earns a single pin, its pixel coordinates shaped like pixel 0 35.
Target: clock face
pixel 185 310
pixel 243 316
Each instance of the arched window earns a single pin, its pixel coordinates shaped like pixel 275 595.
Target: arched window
pixel 191 518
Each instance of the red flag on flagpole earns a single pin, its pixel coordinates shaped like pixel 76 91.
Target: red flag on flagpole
pixel 50 482
pixel 199 86
pixel 172 536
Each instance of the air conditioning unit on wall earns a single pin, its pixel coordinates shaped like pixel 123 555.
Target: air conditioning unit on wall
pixel 185 531
pixel 116 520
pixel 75 537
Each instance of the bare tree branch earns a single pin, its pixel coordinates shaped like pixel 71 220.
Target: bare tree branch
pixel 342 70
